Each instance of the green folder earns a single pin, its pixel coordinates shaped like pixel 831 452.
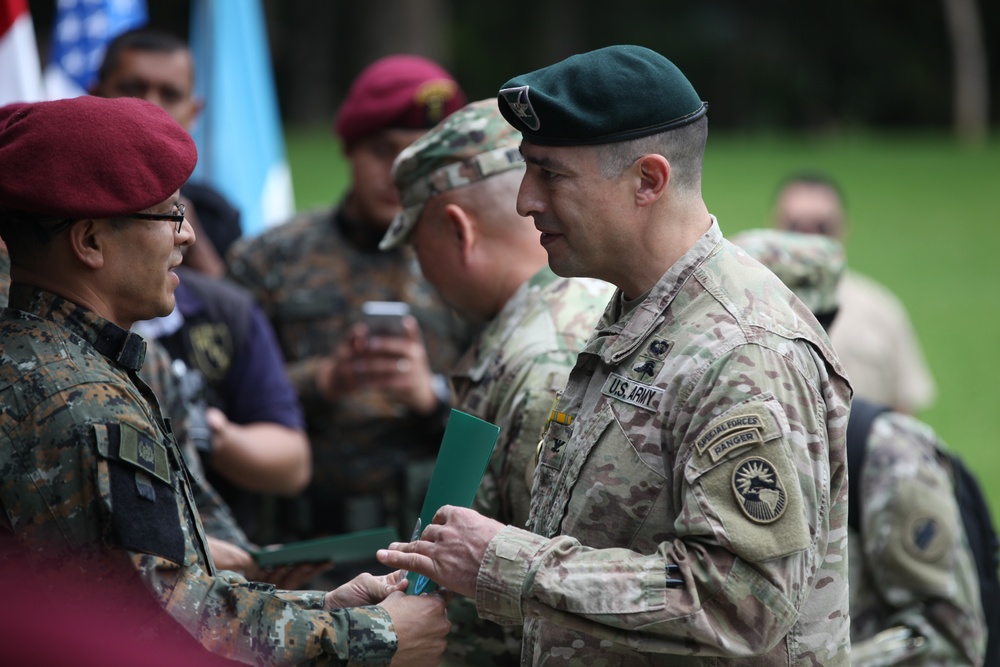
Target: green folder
pixel 465 450
pixel 340 549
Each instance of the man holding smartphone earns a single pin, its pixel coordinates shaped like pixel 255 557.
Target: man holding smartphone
pixel 372 405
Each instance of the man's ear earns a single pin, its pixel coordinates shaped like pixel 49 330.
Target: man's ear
pixel 87 239
pixel 461 230
pixel 654 174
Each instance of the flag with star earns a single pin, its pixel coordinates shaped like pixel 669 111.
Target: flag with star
pixel 80 33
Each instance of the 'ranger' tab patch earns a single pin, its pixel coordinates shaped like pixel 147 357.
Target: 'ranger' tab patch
pixel 758 490
pixel 751 425
pixel 139 449
pixel 641 395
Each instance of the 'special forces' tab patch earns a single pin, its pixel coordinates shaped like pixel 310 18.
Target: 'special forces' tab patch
pixel 758 490
pixel 519 103
pixel 139 449
pixel 630 391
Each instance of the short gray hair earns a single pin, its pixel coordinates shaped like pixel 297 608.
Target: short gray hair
pixel 684 148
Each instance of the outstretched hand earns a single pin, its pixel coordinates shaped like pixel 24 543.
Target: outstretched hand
pixel 365 589
pixel 449 551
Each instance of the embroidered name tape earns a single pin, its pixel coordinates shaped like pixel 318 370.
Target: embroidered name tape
pixel 624 389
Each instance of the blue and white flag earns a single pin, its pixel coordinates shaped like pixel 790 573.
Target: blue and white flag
pixel 80 34
pixel 241 145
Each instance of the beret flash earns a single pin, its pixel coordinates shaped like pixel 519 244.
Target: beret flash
pixel 90 157
pixel 401 91
pixel 612 94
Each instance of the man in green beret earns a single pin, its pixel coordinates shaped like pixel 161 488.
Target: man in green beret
pixel 92 487
pixel 458 186
pixel 689 505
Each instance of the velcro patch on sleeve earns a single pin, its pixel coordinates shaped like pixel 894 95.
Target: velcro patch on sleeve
pixel 140 450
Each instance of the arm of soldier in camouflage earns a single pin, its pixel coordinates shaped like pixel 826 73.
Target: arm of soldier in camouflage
pixel 69 509
pixel 913 563
pixel 723 553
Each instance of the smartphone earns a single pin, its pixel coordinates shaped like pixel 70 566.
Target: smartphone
pixel 385 318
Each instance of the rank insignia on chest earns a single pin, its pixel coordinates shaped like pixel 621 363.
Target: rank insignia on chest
pixel 759 491
pixel 633 392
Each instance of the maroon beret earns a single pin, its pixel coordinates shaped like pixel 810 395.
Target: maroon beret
pixel 7 110
pixel 399 91
pixel 92 157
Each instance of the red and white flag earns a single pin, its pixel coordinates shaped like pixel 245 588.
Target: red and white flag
pixel 20 71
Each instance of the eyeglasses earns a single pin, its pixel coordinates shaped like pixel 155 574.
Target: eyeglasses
pixel 168 217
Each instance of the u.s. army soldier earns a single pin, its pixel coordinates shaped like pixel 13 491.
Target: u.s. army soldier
pixel 915 597
pixel 689 503
pixel 458 185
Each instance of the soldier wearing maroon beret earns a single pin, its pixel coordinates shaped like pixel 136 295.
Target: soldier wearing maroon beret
pixel 93 491
pixel 371 408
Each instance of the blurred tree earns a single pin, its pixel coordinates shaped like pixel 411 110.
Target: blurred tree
pixel 970 69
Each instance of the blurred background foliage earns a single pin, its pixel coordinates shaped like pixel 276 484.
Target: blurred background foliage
pixel 771 64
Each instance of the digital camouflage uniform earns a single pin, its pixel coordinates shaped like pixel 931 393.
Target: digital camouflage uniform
pixel 311 276
pixel 510 377
pixel 690 503
pixel 89 468
pixel 912 566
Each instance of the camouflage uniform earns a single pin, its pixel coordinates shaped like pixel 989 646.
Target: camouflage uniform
pixel 912 566
pixel 691 496
pixel 89 469
pixel 911 571
pixel 311 276
pixel 511 376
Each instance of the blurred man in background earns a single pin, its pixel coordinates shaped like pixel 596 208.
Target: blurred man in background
pixel 873 335
pixel 373 405
pixel 157 66
pixel 915 596
pixel 458 185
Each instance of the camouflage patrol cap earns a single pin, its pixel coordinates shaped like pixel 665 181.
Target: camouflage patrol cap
pixel 612 94
pixel 809 264
pixel 472 144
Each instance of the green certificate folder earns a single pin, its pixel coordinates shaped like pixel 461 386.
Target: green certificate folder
pixel 465 450
pixel 340 549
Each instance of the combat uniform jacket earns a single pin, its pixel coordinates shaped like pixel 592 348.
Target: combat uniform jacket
pixel 912 566
pixel 691 493
pixel 311 276
pixel 89 468
pixel 510 377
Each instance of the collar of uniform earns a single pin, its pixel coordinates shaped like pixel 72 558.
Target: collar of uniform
pixel 645 317
pixel 125 348
pixel 477 360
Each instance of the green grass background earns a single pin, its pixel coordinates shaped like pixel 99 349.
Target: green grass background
pixel 925 221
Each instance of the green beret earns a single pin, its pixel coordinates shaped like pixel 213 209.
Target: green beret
pixel 612 94
pixel 88 156
pixel 472 144
pixel 810 265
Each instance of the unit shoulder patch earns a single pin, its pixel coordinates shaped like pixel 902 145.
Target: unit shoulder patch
pixel 759 490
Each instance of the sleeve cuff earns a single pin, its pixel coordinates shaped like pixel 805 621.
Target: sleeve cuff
pixel 503 575
pixel 372 638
